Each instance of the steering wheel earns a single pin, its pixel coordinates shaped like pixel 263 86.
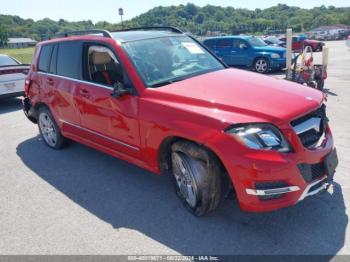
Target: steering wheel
pixel 149 70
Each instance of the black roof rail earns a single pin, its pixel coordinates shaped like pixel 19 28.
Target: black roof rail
pixel 104 33
pixel 146 28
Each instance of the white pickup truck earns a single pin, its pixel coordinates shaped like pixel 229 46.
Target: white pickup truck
pixel 12 76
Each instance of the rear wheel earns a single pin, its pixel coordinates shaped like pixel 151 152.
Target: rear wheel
pixel 261 65
pixel 196 175
pixel 49 130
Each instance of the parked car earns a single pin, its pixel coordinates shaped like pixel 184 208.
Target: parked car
pixel 12 75
pixel 247 51
pixel 160 100
pixel 300 42
pixel 274 41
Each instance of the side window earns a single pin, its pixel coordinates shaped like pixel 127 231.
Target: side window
pixel 238 43
pixel 224 43
pixel 44 58
pixel 69 59
pixel 53 63
pixel 101 66
pixel 209 43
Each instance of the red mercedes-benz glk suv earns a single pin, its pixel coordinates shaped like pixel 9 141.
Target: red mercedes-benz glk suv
pixel 159 99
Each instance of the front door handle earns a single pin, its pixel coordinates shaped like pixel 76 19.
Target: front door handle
pixel 84 93
pixel 50 81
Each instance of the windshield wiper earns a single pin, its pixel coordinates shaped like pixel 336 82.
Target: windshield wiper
pixel 166 82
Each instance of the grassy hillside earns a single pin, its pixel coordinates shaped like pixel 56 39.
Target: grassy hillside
pixel 23 55
pixel 198 20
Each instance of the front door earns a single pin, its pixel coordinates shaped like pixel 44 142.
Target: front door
pixel 241 52
pixel 109 121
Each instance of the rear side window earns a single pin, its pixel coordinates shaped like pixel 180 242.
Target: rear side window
pixel 53 63
pixel 44 58
pixel 209 43
pixel 69 59
pixel 224 43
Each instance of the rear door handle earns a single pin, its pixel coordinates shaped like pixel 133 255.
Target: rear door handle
pixel 50 81
pixel 84 93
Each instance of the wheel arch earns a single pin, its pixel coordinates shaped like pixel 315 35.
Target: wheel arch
pixel 35 111
pixel 164 153
pixel 261 55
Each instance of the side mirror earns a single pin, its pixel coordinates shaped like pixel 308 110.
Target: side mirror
pixel 243 46
pixel 119 90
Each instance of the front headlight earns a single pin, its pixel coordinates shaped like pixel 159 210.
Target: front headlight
pixel 260 136
pixel 275 55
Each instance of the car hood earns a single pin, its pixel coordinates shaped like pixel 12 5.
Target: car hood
pixel 270 49
pixel 238 96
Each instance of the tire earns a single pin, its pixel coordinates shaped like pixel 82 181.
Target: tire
pixel 196 174
pixel 49 130
pixel 261 65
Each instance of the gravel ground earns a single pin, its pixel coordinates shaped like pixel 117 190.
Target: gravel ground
pixel 81 201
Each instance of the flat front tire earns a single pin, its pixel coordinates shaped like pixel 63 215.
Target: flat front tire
pixel 196 175
pixel 49 130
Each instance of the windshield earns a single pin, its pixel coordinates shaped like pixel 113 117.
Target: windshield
pixel 165 60
pixel 254 41
pixel 7 61
pixel 273 40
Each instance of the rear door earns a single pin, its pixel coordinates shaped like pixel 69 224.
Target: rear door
pixel 61 81
pixel 224 49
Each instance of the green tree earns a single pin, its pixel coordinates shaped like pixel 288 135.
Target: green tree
pixel 3 35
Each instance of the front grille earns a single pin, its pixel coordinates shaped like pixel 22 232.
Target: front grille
pixel 312 172
pixel 270 185
pixel 310 136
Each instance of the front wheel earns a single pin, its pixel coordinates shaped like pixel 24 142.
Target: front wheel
pixel 196 175
pixel 261 65
pixel 49 130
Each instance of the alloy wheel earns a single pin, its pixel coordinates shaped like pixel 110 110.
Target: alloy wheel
pixel 48 129
pixel 261 65
pixel 185 178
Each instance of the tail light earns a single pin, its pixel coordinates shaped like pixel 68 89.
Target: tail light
pixel 27 83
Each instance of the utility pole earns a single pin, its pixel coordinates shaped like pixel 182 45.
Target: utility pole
pixel 121 13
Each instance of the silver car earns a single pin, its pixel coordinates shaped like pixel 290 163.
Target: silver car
pixel 12 76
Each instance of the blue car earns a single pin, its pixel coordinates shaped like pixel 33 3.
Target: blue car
pixel 247 51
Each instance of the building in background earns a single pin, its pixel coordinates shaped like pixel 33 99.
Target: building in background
pixel 20 42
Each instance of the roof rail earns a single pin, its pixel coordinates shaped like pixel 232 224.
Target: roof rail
pixel 104 33
pixel 145 28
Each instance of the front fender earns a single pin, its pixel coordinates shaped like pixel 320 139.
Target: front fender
pixel 159 123
pixel 261 54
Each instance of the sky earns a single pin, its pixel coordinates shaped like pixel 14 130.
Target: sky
pixel 107 10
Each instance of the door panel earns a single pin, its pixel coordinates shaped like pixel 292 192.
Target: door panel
pixel 62 96
pixel 111 119
pixel 223 49
pixel 240 55
pixel 60 90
